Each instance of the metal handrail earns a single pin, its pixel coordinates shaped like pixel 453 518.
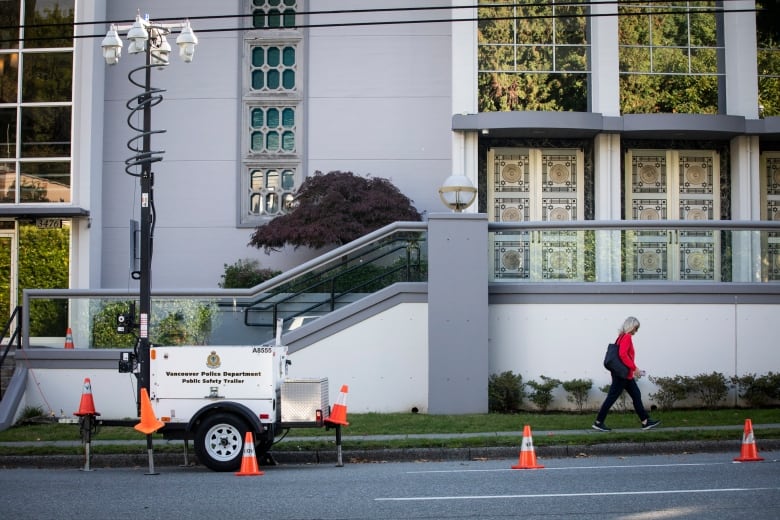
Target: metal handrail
pixel 16 335
pixel 330 281
pixel 728 225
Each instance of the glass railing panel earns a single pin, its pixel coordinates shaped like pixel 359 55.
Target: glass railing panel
pixel 95 322
pixel 401 257
pixel 719 251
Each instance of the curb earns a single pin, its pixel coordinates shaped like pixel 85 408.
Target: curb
pixel 141 460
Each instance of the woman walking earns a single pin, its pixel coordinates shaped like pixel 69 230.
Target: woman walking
pixel 626 353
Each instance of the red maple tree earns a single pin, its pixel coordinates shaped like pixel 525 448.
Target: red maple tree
pixel 333 209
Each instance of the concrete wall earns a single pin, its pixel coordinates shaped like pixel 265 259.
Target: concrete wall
pixel 384 358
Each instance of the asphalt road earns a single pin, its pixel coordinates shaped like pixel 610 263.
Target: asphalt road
pixel 696 486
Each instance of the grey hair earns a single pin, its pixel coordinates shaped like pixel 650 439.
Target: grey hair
pixel 630 324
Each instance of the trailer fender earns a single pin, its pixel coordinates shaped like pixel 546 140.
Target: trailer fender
pixel 226 406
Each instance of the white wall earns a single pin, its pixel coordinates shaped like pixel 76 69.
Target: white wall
pixel 384 359
pixel 379 99
pixel 59 391
pixel 569 341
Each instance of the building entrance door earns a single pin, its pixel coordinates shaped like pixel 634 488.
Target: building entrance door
pixel 673 185
pixel 536 184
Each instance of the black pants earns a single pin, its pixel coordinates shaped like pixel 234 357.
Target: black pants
pixel 618 385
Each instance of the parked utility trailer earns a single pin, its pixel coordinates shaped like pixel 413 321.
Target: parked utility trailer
pixel 215 394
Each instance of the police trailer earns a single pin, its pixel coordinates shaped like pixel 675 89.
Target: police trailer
pixel 214 395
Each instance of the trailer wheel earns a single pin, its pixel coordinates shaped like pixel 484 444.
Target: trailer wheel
pixel 219 442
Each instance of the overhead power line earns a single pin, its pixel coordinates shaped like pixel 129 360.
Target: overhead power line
pixel 643 4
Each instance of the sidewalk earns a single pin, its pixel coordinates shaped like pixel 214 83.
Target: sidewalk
pixel 284 452
pixel 346 437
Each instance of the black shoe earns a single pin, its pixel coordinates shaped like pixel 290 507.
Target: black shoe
pixel 600 426
pixel 650 424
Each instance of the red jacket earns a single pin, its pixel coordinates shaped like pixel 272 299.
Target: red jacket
pixel 626 353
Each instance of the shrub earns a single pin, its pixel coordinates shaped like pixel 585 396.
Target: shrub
pixel 542 394
pixel 30 414
pixel 577 391
pixel 710 388
pixel 758 390
pixel 245 274
pixel 670 390
pixel 505 392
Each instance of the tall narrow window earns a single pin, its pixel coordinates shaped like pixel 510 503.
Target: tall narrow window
pixel 36 101
pixel 273 96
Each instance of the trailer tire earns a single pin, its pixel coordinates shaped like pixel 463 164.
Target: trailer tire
pixel 219 441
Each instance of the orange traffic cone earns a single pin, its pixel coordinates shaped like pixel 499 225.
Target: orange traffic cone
pixel 87 405
pixel 749 452
pixel 249 460
pixel 69 339
pixel 338 415
pixel 149 423
pixel 527 454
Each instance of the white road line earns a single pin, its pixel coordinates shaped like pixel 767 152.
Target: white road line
pixel 626 466
pixel 576 495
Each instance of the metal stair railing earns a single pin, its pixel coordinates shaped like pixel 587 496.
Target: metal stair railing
pixel 334 280
pixel 15 339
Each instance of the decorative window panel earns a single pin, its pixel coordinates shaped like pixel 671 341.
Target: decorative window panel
pixel 770 210
pixel 511 257
pixel 273 68
pixel 272 130
pixel 271 190
pixel 536 184
pixel 274 14
pixel 688 190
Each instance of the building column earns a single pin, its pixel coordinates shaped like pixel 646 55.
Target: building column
pixel 607 172
pixel 457 313
pixel 746 205
pixel 605 66
pixel 464 61
pixel 739 64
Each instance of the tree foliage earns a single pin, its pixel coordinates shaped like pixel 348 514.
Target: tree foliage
pixel 531 57
pixel 658 71
pixel 45 265
pixel 245 273
pixel 335 208
pixel 768 56
pixel 520 69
